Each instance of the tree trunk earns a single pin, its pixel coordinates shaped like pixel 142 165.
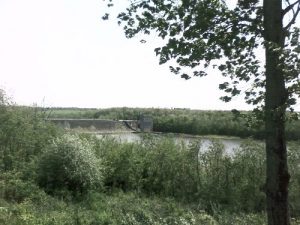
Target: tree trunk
pixel 275 106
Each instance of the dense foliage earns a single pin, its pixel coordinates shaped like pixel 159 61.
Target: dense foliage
pixel 210 179
pixel 69 162
pixel 116 209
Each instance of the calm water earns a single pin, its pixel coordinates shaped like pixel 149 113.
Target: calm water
pixel 229 143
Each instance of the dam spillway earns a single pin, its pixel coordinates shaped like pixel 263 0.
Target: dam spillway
pixel 105 126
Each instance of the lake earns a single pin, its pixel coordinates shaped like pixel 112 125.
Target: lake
pixel 230 143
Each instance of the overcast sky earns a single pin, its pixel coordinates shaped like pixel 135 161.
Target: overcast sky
pixel 60 53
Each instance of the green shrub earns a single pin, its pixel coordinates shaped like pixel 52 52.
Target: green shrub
pixel 15 189
pixel 70 163
pixel 132 209
pixel 52 212
pixel 23 135
pixel 152 166
pixel 225 218
pixel 211 178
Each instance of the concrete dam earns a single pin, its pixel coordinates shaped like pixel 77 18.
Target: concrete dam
pixel 145 124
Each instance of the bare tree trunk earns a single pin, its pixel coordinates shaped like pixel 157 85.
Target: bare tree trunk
pixel 277 168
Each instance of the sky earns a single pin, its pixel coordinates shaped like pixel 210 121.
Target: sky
pixel 59 53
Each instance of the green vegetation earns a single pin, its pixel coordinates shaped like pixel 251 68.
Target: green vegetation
pixel 48 177
pixel 72 113
pixel 69 162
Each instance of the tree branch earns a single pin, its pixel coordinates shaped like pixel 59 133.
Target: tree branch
pixel 290 7
pixel 295 14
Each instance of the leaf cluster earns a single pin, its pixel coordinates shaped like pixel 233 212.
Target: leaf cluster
pixel 207 33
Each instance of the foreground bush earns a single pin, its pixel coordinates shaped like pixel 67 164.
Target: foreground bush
pixel 70 163
pixel 24 134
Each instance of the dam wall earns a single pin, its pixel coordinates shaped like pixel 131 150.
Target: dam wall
pixel 98 125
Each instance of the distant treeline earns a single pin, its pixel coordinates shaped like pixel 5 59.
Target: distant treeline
pixel 195 122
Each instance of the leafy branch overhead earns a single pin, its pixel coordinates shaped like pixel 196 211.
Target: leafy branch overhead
pixel 208 33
